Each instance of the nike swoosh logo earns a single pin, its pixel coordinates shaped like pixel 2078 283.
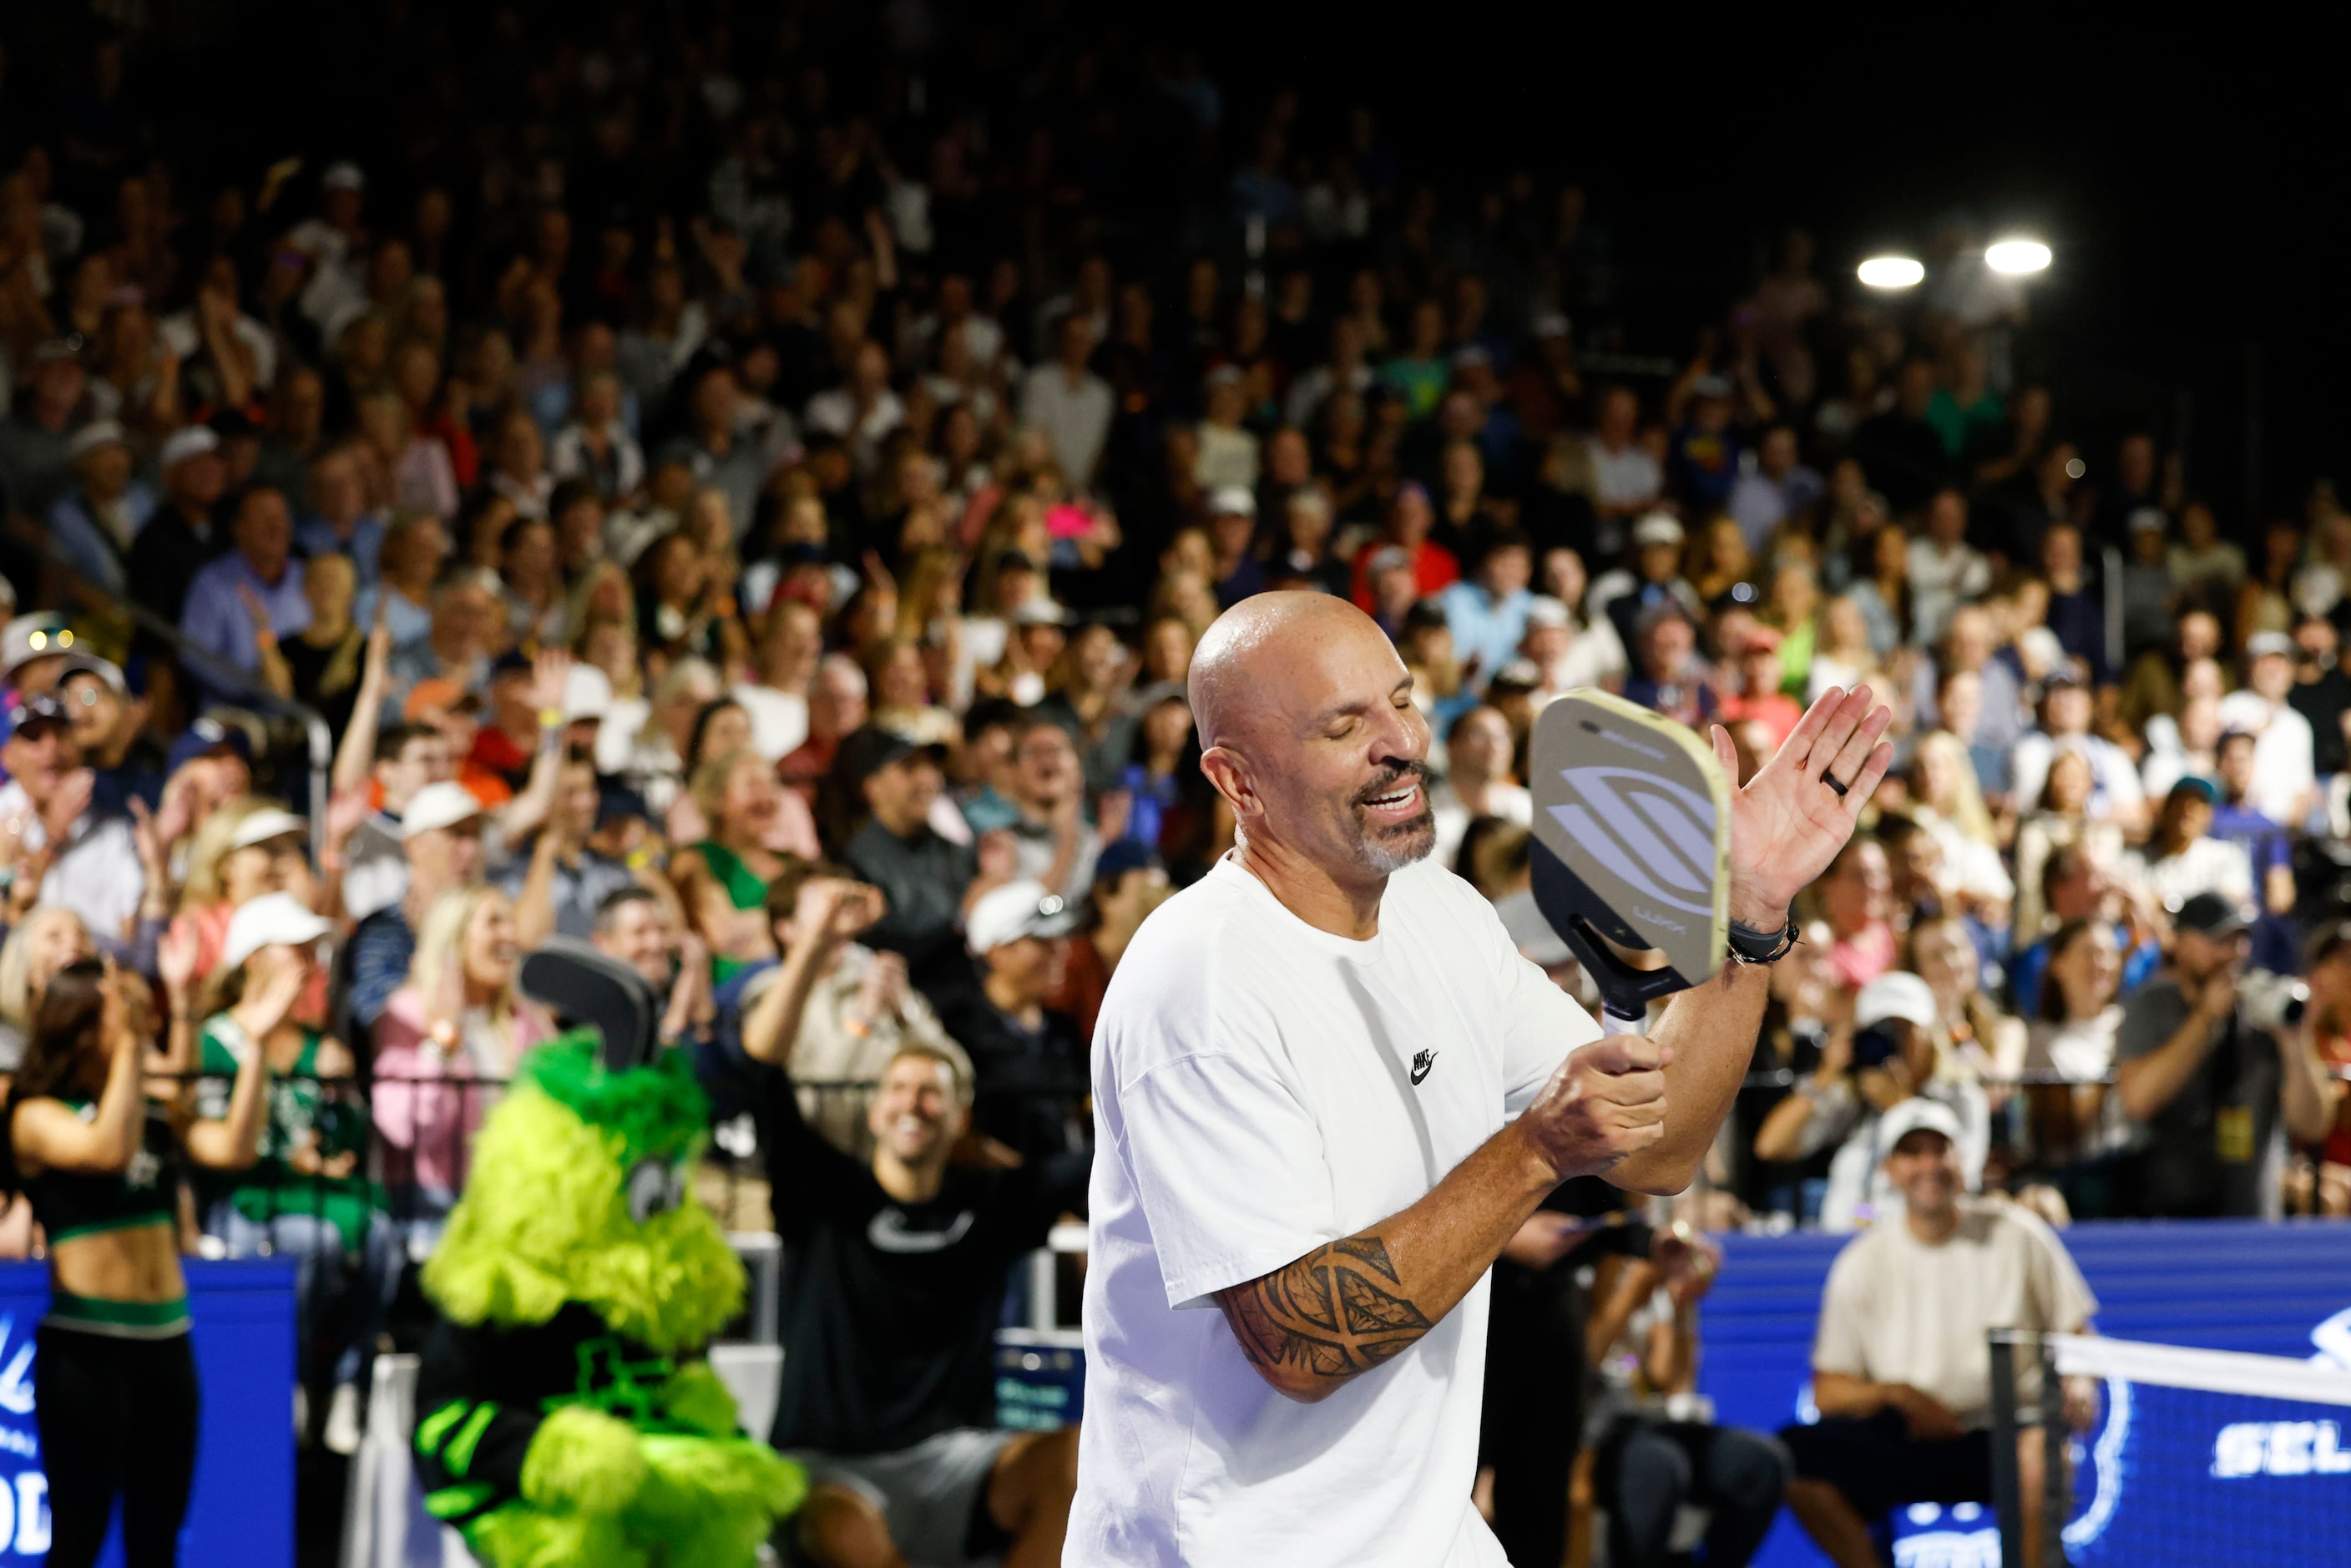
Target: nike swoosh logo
pixel 889 1232
pixel 1422 1066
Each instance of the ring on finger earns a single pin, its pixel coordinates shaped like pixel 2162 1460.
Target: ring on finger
pixel 1830 779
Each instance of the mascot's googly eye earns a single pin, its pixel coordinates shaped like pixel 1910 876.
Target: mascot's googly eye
pixel 653 1189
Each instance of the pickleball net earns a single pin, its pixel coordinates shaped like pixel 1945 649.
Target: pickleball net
pixel 2195 1457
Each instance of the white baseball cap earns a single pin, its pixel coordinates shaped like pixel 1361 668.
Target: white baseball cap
pixel 272 920
pixel 1544 610
pixel 1018 909
pixel 2262 645
pixel 188 441
pixel 34 636
pixel 343 175
pixel 586 693
pixel 1231 501
pixel 268 823
pixel 1895 994
pixel 98 433
pixel 441 805
pixel 1919 1114
pixel 1658 529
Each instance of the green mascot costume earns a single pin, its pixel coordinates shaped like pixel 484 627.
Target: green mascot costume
pixel 567 1412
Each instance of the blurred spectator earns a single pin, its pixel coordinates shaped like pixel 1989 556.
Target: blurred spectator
pixel 1477 782
pixel 441 838
pixel 2285 775
pixel 1069 404
pixel 856 1013
pixel 59 849
pixel 1901 1373
pixel 2181 859
pixel 891 785
pixel 1487 613
pixel 2238 820
pixel 1668 676
pixel 93 522
pixel 1777 487
pixel 1852 927
pixel 1893 1052
pixel 1029 1060
pixel 248 599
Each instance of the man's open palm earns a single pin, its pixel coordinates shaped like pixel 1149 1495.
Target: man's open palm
pixel 1787 821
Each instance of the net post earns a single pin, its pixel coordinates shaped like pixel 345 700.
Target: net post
pixel 2056 1491
pixel 2007 1485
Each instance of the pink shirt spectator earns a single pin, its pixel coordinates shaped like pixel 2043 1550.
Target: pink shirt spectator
pixel 428 1101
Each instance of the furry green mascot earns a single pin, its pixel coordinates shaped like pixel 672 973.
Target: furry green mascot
pixel 568 1415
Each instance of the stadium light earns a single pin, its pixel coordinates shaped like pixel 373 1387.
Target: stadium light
pixel 1891 272
pixel 2017 255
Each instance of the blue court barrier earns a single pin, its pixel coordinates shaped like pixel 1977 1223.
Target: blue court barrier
pixel 242 1515
pixel 2242 1285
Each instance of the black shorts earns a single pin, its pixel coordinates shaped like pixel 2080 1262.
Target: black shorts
pixel 1878 1465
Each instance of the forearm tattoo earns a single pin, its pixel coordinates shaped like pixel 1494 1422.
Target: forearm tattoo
pixel 1331 1314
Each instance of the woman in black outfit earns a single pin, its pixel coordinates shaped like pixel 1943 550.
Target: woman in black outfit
pixel 114 1380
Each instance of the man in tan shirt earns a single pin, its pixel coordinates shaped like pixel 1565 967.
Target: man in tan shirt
pixel 1901 1370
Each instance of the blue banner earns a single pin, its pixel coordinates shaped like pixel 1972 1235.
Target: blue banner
pixel 242 1515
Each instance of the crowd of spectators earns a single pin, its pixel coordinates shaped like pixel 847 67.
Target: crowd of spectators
pixel 697 476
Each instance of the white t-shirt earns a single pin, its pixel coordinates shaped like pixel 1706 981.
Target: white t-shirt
pixel 2283 748
pixel 778 719
pixel 1255 1097
pixel 1897 1309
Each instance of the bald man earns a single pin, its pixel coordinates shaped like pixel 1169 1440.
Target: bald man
pixel 1327 1090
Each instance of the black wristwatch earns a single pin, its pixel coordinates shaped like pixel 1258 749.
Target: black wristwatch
pixel 1749 945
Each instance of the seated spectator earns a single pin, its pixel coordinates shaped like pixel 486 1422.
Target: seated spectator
pixel 1984 1041
pixel 1901 1372
pixel 1302 554
pixel 2238 820
pixel 1892 1053
pixel 443 1043
pixel 1626 597
pixel 1945 570
pixel 2066 710
pixel 1851 927
pixel 339 521
pixel 2076 612
pixel 1053 841
pixel 1567 652
pixel 892 1291
pixel 1086 692
pixel 2182 859
pixel 1753 652
pixel 1477 781
pixel 565 881
pixel 441 838
pixel 181 535
pixel 1232 532
pixel 64 850
pixel 1653 1455
pixel 1169 806
pixel 308 1196
pixel 852 1007
pixel 723 878
pixel 251 595
pixel 2285 774
pixel 1948 807
pixel 111 726
pixel 1487 613
pixel 923 877
pixel 2072 1037
pixel 2060 819
pixel 1843 657
pixel 1029 1059
pixel 1410 519
pixel 96 518
pixel 637 926
pixel 244 848
pixel 1777 487
pixel 1668 676
pixel 2212 1096
pixel 2075 886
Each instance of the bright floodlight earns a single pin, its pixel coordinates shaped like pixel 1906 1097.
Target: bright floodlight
pixel 2017 255
pixel 1892 272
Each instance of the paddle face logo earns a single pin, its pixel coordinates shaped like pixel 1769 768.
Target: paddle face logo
pixel 1655 836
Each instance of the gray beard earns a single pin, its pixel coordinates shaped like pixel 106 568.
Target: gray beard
pixel 1410 842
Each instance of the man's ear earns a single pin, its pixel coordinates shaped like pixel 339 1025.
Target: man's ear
pixel 1227 771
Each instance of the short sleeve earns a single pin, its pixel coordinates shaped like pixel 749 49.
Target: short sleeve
pixel 1229 1167
pixel 2149 1019
pixel 1541 1023
pixel 2062 1297
pixel 1839 1344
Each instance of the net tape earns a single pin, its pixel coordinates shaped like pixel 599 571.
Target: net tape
pixel 2213 1370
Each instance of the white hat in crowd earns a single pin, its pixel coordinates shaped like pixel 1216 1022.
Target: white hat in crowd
pixel 1231 501
pixel 1919 1114
pixel 188 441
pixel 272 920
pixel 1544 610
pixel 34 636
pixel 98 433
pixel 586 693
pixel 1018 909
pixel 1896 994
pixel 268 823
pixel 2262 645
pixel 441 805
pixel 1656 529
